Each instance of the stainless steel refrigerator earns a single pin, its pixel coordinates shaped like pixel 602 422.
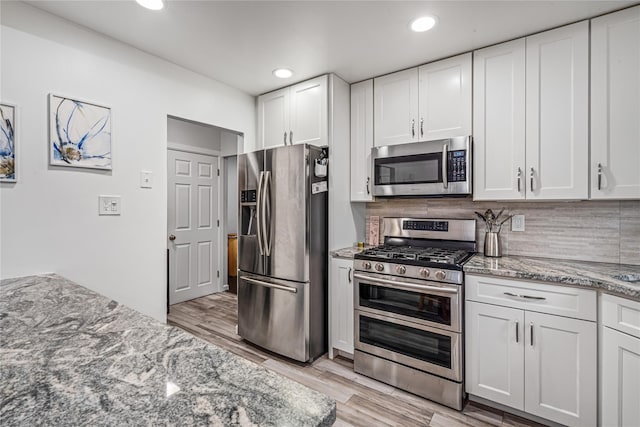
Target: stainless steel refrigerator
pixel 282 250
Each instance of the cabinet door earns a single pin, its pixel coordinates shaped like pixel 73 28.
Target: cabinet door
pixel 615 105
pixel 361 140
pixel 620 379
pixel 273 119
pixel 341 306
pixel 557 113
pixel 494 353
pixel 395 108
pixel 561 369
pixel 498 122
pixel 445 98
pixel 309 112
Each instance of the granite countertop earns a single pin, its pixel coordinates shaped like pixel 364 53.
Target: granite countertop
pixel 69 356
pixel 594 275
pixel 348 252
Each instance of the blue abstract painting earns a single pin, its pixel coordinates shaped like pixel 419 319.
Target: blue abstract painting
pixel 80 133
pixel 7 143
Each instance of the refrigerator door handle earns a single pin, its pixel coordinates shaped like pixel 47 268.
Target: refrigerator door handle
pixel 267 212
pixel 259 213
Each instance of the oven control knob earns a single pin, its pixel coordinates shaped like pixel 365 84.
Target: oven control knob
pixel 440 275
pixel 424 272
pixel 379 267
pixel 401 269
pixel 366 265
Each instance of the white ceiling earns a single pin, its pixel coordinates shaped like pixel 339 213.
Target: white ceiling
pixel 241 42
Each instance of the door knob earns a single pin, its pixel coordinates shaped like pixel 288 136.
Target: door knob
pixel 172 237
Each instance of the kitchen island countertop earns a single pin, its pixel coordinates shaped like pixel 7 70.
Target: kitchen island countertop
pixel 592 275
pixel 69 356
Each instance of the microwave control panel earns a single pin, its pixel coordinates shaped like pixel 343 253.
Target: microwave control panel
pixel 457 166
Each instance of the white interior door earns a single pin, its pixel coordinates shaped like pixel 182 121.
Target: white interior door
pixel 192 225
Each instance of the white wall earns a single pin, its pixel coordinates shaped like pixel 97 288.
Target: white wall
pixel 49 220
pixel 193 134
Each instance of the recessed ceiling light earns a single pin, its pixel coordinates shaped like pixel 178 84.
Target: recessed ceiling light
pixel 151 4
pixel 283 73
pixel 424 23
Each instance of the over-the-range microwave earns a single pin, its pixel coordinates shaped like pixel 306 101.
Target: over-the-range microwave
pixel 439 168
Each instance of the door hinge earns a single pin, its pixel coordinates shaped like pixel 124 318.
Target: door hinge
pixel 218 172
pixel 218 223
pixel 218 273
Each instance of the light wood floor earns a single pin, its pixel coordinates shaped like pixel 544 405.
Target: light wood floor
pixel 361 401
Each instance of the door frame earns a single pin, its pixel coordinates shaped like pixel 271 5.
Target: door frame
pixel 207 152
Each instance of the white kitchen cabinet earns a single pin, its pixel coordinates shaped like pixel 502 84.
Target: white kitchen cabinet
pixel 499 122
pixel 396 108
pixel 294 115
pixel 615 105
pixel 341 306
pixel 273 118
pixel 361 140
pixel 520 355
pixel 561 369
pixel 445 98
pixel 557 113
pixel 531 117
pixel 426 103
pixel 620 362
pixel 495 354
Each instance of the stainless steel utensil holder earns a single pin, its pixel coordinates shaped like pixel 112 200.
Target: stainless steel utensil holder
pixel 492 246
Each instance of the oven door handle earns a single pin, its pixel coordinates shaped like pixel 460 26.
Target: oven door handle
pixel 406 286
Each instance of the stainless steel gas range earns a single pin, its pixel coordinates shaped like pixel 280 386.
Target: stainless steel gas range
pixel 408 307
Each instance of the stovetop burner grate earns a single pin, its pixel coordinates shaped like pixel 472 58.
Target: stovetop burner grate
pixel 429 254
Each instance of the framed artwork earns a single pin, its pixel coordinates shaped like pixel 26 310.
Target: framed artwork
pixel 79 133
pixel 7 143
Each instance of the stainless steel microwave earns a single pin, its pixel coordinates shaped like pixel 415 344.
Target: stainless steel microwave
pixel 439 168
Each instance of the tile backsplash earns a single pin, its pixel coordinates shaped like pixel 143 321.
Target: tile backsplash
pixel 602 231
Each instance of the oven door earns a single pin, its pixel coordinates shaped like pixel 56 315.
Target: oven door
pixel 428 349
pixel 431 168
pixel 428 303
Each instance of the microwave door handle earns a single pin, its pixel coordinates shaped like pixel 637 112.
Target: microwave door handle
pixel 259 214
pixel 445 166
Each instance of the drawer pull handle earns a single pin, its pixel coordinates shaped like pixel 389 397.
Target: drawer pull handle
pixel 529 297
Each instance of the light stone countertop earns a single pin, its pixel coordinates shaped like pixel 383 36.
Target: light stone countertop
pixel 348 252
pixel 593 275
pixel 69 356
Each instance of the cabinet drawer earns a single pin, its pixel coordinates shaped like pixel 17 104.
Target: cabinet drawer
pixel 621 314
pixel 532 296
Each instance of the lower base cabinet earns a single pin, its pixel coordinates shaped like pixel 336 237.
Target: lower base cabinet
pixel 620 362
pixel 340 306
pixel 539 363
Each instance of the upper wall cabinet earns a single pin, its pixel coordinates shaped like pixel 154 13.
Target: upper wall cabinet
pixel 531 134
pixel 396 107
pixel 445 98
pixel 615 105
pixel 361 140
pixel 557 113
pixel 498 121
pixel 294 115
pixel 430 102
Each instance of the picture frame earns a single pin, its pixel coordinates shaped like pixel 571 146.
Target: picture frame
pixel 79 133
pixel 8 143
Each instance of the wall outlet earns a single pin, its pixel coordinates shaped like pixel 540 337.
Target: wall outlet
pixel 109 205
pixel 517 223
pixel 146 179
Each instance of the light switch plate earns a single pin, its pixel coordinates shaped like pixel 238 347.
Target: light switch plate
pixel 517 223
pixel 146 179
pixel 109 205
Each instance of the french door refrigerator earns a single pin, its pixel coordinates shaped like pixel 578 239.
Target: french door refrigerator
pixel 282 251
